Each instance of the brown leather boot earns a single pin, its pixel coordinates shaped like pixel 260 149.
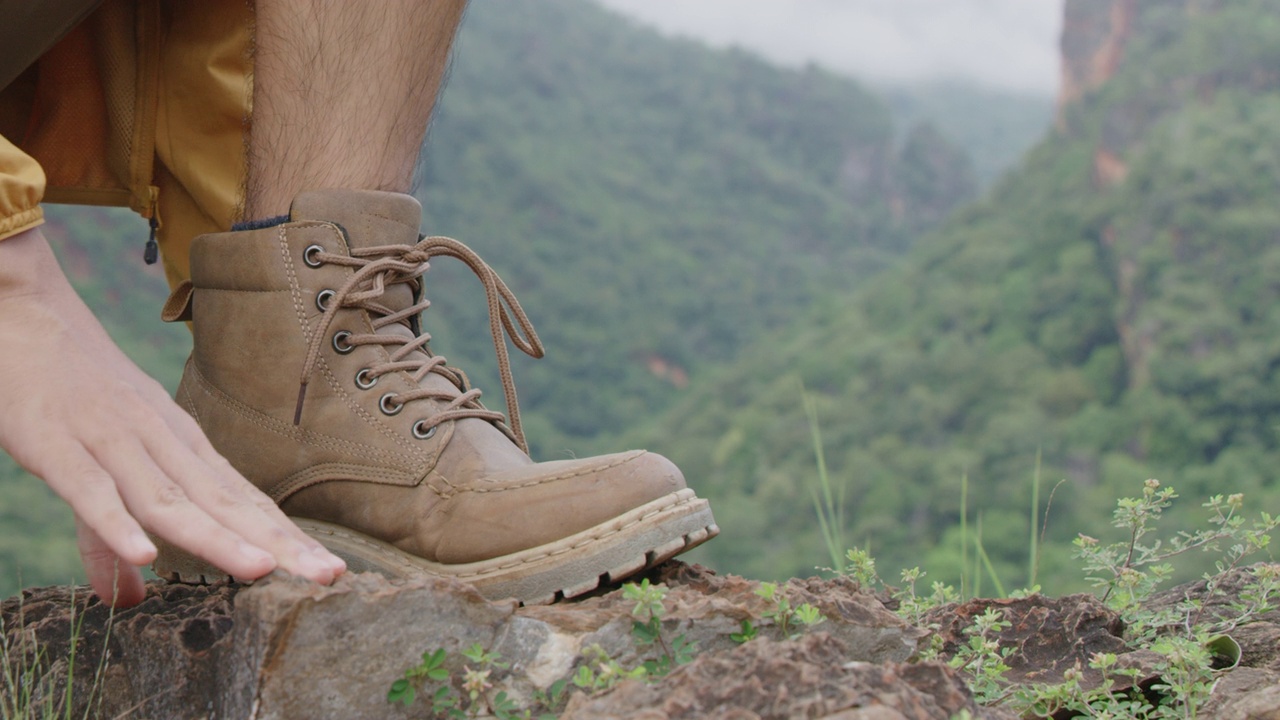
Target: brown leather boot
pixel 311 376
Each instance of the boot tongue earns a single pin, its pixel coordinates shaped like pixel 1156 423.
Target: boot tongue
pixel 370 217
pixel 373 219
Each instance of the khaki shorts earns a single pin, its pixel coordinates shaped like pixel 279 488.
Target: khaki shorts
pixel 138 103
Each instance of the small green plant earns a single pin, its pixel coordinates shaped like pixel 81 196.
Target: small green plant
pixel 647 628
pixel 603 672
pixel 747 634
pixel 553 698
pixel 982 659
pixel 1126 574
pixel 28 689
pixel 911 605
pixel 470 698
pixel 1186 636
pixel 432 668
pixel 1114 697
pixel 862 567
pixel 828 498
pixel 790 620
pixel 468 694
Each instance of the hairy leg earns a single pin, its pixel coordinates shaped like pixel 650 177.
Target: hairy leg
pixel 343 93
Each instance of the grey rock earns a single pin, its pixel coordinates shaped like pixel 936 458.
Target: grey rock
pixel 1245 694
pixel 286 648
pixel 810 678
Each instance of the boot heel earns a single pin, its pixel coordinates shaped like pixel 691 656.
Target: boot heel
pixel 177 565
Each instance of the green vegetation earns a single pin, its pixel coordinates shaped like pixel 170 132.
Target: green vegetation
pixel 465 695
pixel 470 698
pixel 1098 325
pixel 655 204
pixel 994 126
pixel 37 686
pixel 647 629
pixel 1191 643
pixel 1190 638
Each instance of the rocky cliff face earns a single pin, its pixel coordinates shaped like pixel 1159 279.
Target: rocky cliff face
pixel 1135 74
pixel 1094 34
pixel 1099 38
pixel 1096 39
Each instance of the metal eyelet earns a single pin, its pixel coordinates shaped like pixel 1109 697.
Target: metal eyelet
pixel 323 298
pixel 340 345
pixel 309 256
pixel 363 381
pixel 386 406
pixel 422 434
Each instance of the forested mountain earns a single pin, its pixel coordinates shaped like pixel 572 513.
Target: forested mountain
pixel 656 205
pixel 995 127
pixel 1110 308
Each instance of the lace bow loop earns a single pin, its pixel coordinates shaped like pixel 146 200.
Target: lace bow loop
pixel 376 269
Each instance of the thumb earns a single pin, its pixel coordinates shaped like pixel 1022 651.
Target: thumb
pixel 115 581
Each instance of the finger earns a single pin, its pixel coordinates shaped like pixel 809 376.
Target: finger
pixel 165 509
pixel 214 485
pixel 115 581
pixel 92 493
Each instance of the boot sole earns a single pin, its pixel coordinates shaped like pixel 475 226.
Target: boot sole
pixel 566 568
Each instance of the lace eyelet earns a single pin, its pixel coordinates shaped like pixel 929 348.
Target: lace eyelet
pixel 323 298
pixel 385 404
pixel 423 434
pixel 340 345
pixel 364 381
pixel 309 256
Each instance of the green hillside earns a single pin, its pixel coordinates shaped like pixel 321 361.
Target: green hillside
pixel 995 127
pixel 1112 307
pixel 655 204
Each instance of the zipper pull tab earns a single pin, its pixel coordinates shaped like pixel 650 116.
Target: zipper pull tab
pixel 152 252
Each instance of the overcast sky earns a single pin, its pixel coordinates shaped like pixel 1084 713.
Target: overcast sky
pixel 1010 44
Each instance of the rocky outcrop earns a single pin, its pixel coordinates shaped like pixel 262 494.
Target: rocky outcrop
pixel 1096 40
pixel 808 678
pixel 1094 35
pixel 1049 636
pixel 285 648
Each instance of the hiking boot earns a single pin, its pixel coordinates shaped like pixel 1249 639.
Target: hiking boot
pixel 311 375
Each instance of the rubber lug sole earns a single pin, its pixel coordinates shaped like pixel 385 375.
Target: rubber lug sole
pixel 566 568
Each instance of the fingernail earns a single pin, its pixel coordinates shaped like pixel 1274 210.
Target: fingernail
pixel 311 564
pixel 334 562
pixel 256 554
pixel 142 544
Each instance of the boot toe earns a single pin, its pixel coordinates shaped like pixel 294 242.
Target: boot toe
pixel 539 504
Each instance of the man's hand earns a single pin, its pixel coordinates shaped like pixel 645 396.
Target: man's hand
pixel 109 440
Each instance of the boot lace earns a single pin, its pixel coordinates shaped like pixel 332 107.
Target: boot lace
pixel 379 268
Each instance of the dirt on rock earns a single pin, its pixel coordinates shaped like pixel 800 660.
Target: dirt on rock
pixel 286 648
pixel 806 678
